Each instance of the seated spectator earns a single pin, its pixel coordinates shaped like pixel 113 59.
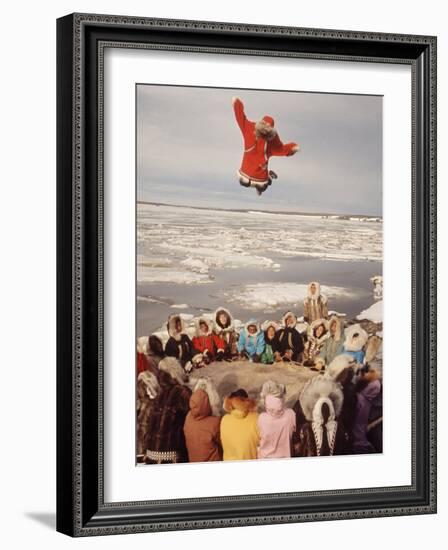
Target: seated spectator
pixel 201 430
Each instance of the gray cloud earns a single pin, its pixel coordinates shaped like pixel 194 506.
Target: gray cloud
pixel 189 148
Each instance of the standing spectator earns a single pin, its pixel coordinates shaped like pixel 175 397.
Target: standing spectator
pixel 315 305
pixel 165 439
pixel 277 424
pixel 239 427
pixel 201 430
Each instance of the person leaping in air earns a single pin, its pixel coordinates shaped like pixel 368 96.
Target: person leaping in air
pixel 261 141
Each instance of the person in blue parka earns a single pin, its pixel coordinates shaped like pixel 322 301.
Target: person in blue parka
pixel 251 341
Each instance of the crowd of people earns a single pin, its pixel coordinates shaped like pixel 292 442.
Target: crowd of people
pixel 337 412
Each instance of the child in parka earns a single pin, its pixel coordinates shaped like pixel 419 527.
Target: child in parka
pixel 224 335
pixel 288 342
pixel 203 341
pixel 251 341
pixel 270 329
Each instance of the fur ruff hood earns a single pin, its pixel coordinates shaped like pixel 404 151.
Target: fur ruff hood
pixel 317 293
pixel 206 384
pixel 241 405
pixel 338 332
pixel 254 323
pixel 147 384
pixel 209 324
pixel 321 386
pixel 200 405
pixel 313 327
pixel 172 367
pixel 340 363
pixel 217 327
pixel 173 319
pixel 289 314
pixel 353 343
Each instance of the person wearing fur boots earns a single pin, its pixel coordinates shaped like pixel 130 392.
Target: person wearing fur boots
pixel 261 142
pixel 269 328
pixel 225 335
pixel 315 305
pixel 277 424
pixel 201 430
pixel 251 341
pixel 239 427
pixel 288 342
pixel 334 344
pixel 203 341
pixel 318 334
pixel 165 441
pixel 368 388
pixel 355 340
pixel 179 344
pixel 322 432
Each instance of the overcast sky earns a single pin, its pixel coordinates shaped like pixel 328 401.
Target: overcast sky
pixel 189 148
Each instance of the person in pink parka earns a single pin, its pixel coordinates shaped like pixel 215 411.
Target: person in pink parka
pixel 277 424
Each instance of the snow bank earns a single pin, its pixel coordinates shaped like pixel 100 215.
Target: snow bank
pixel 374 313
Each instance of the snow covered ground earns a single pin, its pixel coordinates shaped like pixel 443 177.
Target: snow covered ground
pixel 186 245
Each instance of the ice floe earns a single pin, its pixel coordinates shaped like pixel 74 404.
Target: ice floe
pixel 271 296
pixel 184 245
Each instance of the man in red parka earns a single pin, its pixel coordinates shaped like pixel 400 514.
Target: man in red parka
pixel 261 141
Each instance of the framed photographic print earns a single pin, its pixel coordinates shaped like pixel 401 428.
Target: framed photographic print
pixel 246 274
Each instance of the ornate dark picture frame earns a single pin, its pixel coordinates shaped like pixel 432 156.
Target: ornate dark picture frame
pixel 81 40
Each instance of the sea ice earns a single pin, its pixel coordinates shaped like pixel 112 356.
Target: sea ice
pixel 270 296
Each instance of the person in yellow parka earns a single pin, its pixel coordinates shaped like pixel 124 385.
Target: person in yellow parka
pixel 239 427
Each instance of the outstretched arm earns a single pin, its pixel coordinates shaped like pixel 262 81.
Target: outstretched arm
pixel 279 149
pixel 238 109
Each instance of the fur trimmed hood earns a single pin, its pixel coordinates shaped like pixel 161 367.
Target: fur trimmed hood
pixel 341 363
pixel 209 324
pixel 312 328
pixel 200 405
pixel 217 326
pixel 173 319
pixel 255 323
pixel 289 314
pixel 147 384
pixel 206 384
pixel 172 367
pixel 317 294
pixel 241 405
pixel 321 386
pixel 355 338
pixel 338 331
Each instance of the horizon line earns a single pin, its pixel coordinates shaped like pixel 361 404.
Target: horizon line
pixel 286 212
